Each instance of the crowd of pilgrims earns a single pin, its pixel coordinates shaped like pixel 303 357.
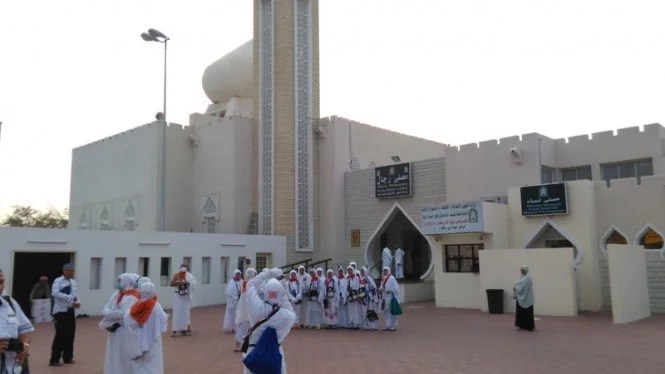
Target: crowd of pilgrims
pixel 337 299
pixel 135 319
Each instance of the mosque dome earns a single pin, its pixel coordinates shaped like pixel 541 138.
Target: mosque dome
pixel 231 75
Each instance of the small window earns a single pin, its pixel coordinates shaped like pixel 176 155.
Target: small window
pixel 224 269
pixel 188 262
pixel 211 225
pixel 164 271
pixel 462 258
pixel 547 174
pixel 616 238
pixel 144 266
pixel 651 240
pixel 205 274
pixel 120 266
pixel 95 273
pixel 627 169
pixel 576 173
pixel 262 261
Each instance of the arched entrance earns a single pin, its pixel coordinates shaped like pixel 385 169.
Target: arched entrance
pixel 550 235
pixel 397 229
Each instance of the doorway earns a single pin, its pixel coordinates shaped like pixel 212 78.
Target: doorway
pixel 398 231
pixel 29 266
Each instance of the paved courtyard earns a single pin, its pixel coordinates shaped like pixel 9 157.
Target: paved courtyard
pixel 430 340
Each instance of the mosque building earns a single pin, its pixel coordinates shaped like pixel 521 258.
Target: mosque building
pixel 261 161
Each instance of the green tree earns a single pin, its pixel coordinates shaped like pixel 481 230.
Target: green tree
pixel 27 216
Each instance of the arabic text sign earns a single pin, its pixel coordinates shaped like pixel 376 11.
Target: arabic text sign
pixel 452 218
pixel 546 199
pixel 393 181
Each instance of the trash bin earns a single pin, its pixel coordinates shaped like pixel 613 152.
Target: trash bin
pixel 495 301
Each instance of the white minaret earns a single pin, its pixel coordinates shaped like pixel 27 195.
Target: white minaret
pixel 286 72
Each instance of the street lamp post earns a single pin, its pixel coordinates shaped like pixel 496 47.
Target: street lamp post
pixel 155 36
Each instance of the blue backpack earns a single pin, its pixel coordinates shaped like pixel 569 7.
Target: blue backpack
pixel 265 357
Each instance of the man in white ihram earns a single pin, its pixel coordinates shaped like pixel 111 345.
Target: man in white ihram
pixel 233 291
pixel 399 263
pixel 275 296
pixel 387 258
pixel 183 301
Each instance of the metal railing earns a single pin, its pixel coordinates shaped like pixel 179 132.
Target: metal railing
pixel 292 266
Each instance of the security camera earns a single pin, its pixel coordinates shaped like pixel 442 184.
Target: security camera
pixel 516 154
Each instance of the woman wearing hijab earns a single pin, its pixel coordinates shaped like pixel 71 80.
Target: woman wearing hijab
pixel 146 322
pixel 304 280
pixel 233 291
pixel 368 300
pixel 342 294
pixel 242 313
pixel 331 299
pixel 315 301
pixel 389 289
pixel 259 309
pixel 183 300
pixel 353 310
pixel 523 295
pixel 116 358
pixel 294 293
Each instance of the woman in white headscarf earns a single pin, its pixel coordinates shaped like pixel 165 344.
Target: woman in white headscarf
pixel 331 299
pixel 259 309
pixel 146 321
pixel 304 280
pixel 233 291
pixel 116 358
pixel 342 294
pixel 315 301
pixel 389 289
pixel 353 311
pixel 242 312
pixel 367 299
pixel 294 293
pixel 523 295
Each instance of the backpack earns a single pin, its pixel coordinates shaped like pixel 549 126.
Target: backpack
pixel 265 358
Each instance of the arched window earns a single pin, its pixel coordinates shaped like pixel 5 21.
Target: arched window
pixel 651 240
pixel 616 238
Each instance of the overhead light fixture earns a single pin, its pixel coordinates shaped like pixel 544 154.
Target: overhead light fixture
pixel 395 158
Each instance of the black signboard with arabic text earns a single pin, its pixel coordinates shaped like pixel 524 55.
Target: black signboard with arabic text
pixel 393 181
pixel 544 200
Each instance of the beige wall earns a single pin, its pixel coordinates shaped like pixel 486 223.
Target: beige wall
pixel 551 270
pixel 478 171
pixel 111 171
pixel 463 290
pixel 340 139
pixel 579 227
pixel 366 213
pixel 628 283
pixel 455 290
pixel 221 165
pixel 628 144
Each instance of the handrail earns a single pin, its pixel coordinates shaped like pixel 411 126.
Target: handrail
pixel 291 266
pixel 326 261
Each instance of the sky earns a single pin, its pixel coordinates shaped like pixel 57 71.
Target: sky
pixel 73 72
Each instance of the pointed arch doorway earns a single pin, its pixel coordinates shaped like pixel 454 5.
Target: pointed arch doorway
pixel 398 229
pixel 551 235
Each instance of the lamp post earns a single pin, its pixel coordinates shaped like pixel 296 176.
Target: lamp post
pixel 155 36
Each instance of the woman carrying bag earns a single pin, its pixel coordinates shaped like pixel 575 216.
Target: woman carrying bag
pixel 389 292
